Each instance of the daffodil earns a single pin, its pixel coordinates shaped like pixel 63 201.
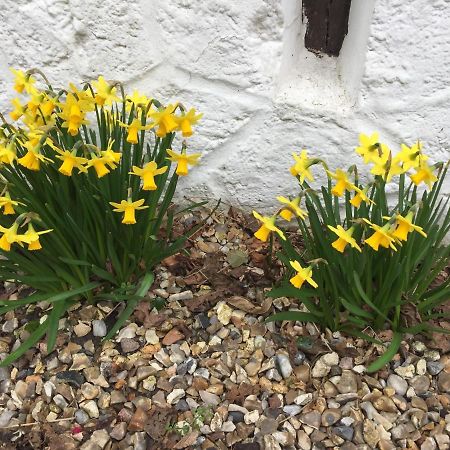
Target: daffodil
pixel 382 236
pixel 183 161
pixel 10 237
pixel 343 182
pixel 106 158
pixel 8 153
pixel 387 167
pixel 268 226
pixel 112 157
pixel 147 174
pixel 405 226
pixel 303 274
pixel 410 157
pixel 424 174
pixel 32 237
pixel 22 81
pixel 292 207
pixel 19 109
pixel 164 120
pixel 301 166
pixel 133 129
pixel 72 114
pixel 129 208
pixel 105 93
pixel 33 158
pixel 370 148
pixel 8 205
pixel 360 196
pixel 136 99
pixel 70 160
pixel 344 238
pixel 186 121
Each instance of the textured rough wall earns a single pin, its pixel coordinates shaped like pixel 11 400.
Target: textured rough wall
pixel 244 66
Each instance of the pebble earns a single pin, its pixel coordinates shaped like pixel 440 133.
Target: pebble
pixel 405 371
pixel 89 391
pixel 330 416
pixel 224 313
pixel 174 335
pixel 428 444
pixel 284 365
pixel 129 345
pixel 347 382
pixel 175 395
pixel 420 384
pixel 434 367
pixel 323 365
pixel 80 361
pixel 251 417
pixel 81 416
pixel 444 382
pixel 81 329
pixel 397 383
pixel 91 408
pixel 151 337
pixel 209 398
pixel 344 432
pixel 292 410
pixel 99 328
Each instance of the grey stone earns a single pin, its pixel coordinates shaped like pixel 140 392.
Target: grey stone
pixel 284 365
pixel 99 328
pixel 397 383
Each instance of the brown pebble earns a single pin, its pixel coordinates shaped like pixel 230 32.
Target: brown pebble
pixel 138 421
pixel 174 335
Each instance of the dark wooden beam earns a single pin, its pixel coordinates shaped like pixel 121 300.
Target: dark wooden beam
pixel 327 25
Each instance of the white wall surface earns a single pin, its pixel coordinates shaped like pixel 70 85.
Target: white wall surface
pixel 244 65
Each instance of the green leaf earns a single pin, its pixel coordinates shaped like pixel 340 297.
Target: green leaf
pixel 387 355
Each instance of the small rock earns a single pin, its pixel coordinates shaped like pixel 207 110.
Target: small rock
pixel 119 431
pixel 128 332
pixel 81 417
pixel 117 397
pixel 268 426
pixel 129 345
pixel 251 417
pixel 71 377
pixel 175 395
pixel 174 335
pixel 252 367
pixel 323 365
pixel 303 399
pixel 228 427
pixel 312 418
pixel 91 408
pixel 138 421
pixel 81 329
pixel 236 416
pixel 181 296
pixel 385 404
pixel 397 383
pixel 284 365
pixel 347 383
pixel 5 417
pixel 428 444
pixel 434 367
pixel 100 437
pixel 292 410
pixel 99 328
pixel 151 337
pixel 330 416
pixel 10 325
pixel 60 401
pixel 89 391
pixel 444 382
pixel 443 441
pixel 344 432
pixel 209 398
pixel 224 313
pixel 406 371
pixel 421 384
pixel 421 367
pixel 216 422
pixel 80 361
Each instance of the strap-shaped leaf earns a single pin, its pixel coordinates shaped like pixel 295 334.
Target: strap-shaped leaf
pixel 387 355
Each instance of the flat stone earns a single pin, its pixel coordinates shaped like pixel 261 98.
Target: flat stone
pixel 71 377
pixel 344 432
pixel 175 395
pixel 138 421
pixel 323 365
pixel 174 335
pixel 347 383
pixel 100 437
pixel 251 417
pixel 428 444
pixel 60 401
pixel 420 383
pixel 89 391
pixel 292 410
pixel 117 397
pixel 224 313
pixel 434 367
pixel 268 426
pixel 81 329
pixel 91 408
pixel 284 365
pixel 312 418
pixel 444 382
pixel 209 398
pixel 330 416
pixel 151 337
pixel 99 328
pixel 80 361
pixel 129 345
pixel 119 431
pixel 385 404
pixel 397 383
pixel 81 417
pixel 407 371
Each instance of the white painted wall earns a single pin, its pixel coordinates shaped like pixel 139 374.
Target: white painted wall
pixel 243 64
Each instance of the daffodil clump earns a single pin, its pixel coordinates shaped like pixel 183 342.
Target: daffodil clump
pixel 87 177
pixel 365 258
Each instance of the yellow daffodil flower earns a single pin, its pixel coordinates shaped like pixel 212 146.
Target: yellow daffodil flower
pixel 268 225
pixel 133 129
pixel 128 208
pixel 344 238
pixel 186 121
pixel 343 183
pixel 70 161
pixel 8 153
pixel 10 237
pixel 360 196
pixel 370 148
pixel 105 93
pixel 19 109
pixel 8 205
pixel 301 166
pixel 136 99
pixel 107 157
pixel 72 114
pixel 405 226
pixel 22 81
pixel 33 237
pixel 291 209
pixel 183 161
pixel 382 236
pixel 147 174
pixel 409 157
pixel 164 120
pixel 424 174
pixel 33 158
pixel 303 274
pixel 387 167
